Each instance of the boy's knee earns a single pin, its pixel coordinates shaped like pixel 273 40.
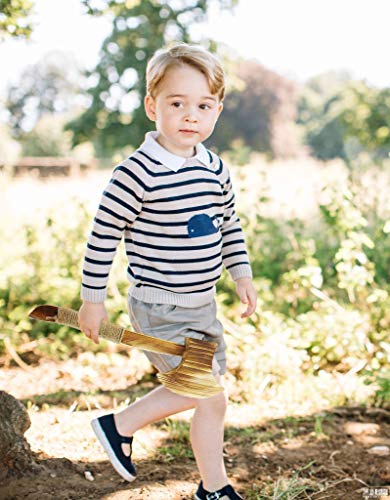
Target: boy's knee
pixel 216 404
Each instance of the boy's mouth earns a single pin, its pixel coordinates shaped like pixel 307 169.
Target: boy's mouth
pixel 188 131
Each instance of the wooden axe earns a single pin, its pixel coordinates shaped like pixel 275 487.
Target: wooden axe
pixel 192 377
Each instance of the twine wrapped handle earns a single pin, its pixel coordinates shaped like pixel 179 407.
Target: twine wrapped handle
pixel 108 331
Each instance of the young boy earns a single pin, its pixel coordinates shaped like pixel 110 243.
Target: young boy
pixel 174 202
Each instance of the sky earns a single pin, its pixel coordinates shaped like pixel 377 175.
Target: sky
pixel 298 39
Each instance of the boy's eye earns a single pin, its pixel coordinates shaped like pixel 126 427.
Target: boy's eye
pixel 176 104
pixel 205 106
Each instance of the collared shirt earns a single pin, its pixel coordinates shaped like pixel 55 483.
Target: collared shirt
pixel 170 160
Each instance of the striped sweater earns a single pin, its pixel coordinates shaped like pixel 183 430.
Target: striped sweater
pixel 179 225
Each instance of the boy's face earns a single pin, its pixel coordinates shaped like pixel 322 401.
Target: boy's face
pixel 184 110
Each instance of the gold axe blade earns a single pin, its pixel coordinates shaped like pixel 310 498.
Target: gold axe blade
pixel 192 377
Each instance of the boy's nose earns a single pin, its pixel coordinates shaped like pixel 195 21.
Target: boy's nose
pixel 191 116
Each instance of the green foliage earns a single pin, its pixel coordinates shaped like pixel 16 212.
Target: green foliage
pixel 343 118
pixel 381 380
pixel 321 309
pixel 239 154
pixel 319 117
pixel 50 86
pixel 115 117
pixel 47 139
pixel 14 19
pixel 366 117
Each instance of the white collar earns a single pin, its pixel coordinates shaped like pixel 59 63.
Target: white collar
pixel 151 147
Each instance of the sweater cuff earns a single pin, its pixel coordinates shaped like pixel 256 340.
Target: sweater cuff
pixel 241 271
pixel 95 296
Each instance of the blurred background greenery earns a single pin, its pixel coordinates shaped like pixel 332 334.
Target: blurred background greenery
pixel 321 265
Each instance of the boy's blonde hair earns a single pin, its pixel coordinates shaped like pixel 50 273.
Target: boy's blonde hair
pixel 182 54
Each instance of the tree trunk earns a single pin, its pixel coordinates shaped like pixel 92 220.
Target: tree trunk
pixel 16 457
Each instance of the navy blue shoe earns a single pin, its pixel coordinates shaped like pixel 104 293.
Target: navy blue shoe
pixel 228 490
pixel 106 432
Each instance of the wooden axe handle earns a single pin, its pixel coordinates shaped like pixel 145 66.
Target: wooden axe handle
pixel 108 331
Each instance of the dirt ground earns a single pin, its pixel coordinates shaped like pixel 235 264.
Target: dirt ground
pixel 324 455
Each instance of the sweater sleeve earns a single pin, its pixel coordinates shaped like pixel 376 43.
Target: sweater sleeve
pixel 120 204
pixel 234 252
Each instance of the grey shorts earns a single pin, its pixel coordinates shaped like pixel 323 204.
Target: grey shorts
pixel 174 323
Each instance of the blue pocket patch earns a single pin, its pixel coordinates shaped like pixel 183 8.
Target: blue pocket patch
pixel 201 225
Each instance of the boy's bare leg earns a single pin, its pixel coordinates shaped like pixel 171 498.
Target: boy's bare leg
pixel 156 405
pixel 207 433
pixel 207 427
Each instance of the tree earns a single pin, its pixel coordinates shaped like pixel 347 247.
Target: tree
pixel 342 117
pixel 52 85
pixel 260 112
pixel 16 457
pixel 47 138
pixel 115 118
pixel 14 20
pixel 319 114
pixel 366 117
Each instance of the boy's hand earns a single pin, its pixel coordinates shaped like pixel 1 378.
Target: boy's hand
pixel 247 293
pixel 90 316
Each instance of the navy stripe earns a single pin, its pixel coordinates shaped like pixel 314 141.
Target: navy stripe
pixel 186 293
pixel 175 249
pixel 180 273
pixel 126 189
pixel 99 249
pixel 231 231
pixel 93 287
pixel 105 236
pixel 228 202
pixel 120 202
pixel 230 206
pixel 189 182
pixel 131 174
pixel 156 162
pixel 242 252
pixel 232 243
pixel 182 210
pixel 163 224
pixel 174 261
pixel 237 264
pixel 186 196
pixel 113 214
pixel 160 235
pixel 95 275
pixel 210 156
pixel 107 224
pixel 220 168
pixel 98 262
pixel 171 285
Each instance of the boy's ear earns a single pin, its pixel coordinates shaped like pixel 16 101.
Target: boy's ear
pixel 150 107
pixel 220 108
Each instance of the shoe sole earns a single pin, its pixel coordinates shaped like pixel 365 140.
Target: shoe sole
pixel 111 455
